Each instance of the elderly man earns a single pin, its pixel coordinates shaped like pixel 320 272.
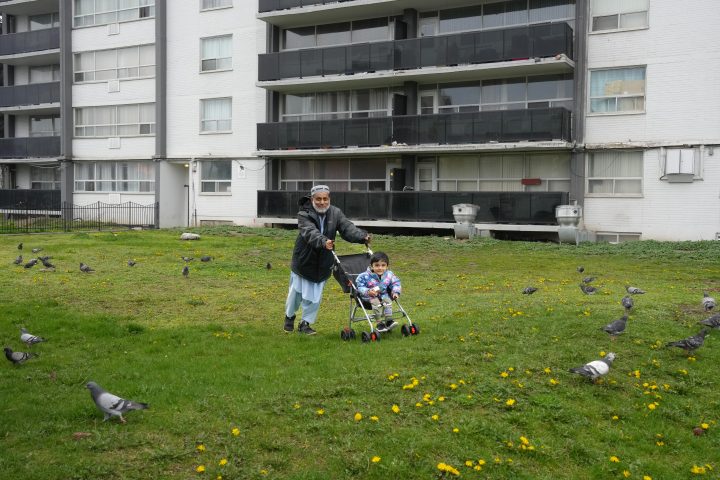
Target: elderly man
pixel 312 259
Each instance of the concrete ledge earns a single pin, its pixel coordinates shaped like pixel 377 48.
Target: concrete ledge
pixel 507 227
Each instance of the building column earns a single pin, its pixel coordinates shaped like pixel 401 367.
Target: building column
pixel 160 99
pixel 577 160
pixel 67 170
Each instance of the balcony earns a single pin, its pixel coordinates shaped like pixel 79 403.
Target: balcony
pixel 30 147
pixel 29 42
pixel 272 5
pixel 29 95
pixel 530 208
pixel 30 199
pixel 542 124
pixel 529 42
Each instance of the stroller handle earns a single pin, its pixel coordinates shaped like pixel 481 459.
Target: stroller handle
pixel 337 260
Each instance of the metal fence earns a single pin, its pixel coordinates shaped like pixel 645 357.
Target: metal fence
pixel 69 217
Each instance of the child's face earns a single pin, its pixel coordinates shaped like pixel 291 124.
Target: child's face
pixel 379 267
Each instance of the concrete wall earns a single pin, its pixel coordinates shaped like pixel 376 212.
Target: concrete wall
pixel 173 194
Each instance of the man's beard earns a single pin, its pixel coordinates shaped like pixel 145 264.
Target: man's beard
pixel 321 210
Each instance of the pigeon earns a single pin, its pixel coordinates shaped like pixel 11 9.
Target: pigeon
pixel 588 279
pixel 131 263
pixel 691 343
pixel 634 290
pixel 186 271
pixel 529 290
pixel 18 260
pixel 31 263
pixel 112 405
pixel 46 263
pixel 617 327
pixel 17 357
pixel 187 259
pixel 85 268
pixel 36 250
pixel 712 322
pixel 268 266
pixel 596 368
pixel 627 302
pixel 580 269
pixel 708 302
pixel 205 258
pixel 46 258
pixel 28 338
pixel 19 246
pixel 588 289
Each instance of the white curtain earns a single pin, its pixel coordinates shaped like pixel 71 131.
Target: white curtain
pixel 616 164
pixel 217 47
pixel 216 114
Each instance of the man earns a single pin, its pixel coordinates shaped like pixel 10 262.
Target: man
pixel 312 258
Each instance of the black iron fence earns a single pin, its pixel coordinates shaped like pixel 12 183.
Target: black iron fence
pixel 537 124
pixel 32 41
pixel 68 217
pixel 495 207
pixel 533 41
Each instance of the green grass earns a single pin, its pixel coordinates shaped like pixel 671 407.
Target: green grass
pixel 208 354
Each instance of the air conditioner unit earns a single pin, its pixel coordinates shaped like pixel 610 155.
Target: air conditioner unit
pixel 113 29
pixel 680 165
pixel 113 86
pixel 113 142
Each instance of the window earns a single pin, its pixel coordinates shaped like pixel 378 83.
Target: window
pixel 102 12
pixel 617 90
pixel 216 115
pixel 120 63
pixel 340 174
pixel 358 31
pixel 110 176
pixel 211 4
pixel 41 22
pixel 44 73
pixel 216 53
pixel 617 237
pixel 619 14
pixel 372 102
pixel 615 174
pixel 216 176
pixel 115 120
pixel 45 126
pixel 45 178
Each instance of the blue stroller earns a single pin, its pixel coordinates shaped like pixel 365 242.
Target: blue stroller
pixel 346 270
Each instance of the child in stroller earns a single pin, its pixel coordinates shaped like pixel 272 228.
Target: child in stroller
pixel 379 286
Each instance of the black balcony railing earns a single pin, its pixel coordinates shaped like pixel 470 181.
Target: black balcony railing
pixel 33 41
pixel 30 94
pixel 534 41
pixel 30 199
pixel 29 147
pixel 271 5
pixel 541 124
pixel 494 207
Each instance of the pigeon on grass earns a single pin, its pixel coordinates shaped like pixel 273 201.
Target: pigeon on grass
pixel 708 302
pixel 529 290
pixel 187 259
pixel 588 289
pixel 616 328
pixel 588 279
pixel 580 269
pixel 634 290
pixel 268 266
pixel 17 357
pixel 18 260
pixel 205 258
pixel 36 250
pixel 19 246
pixel 131 263
pixel 712 322
pixel 31 263
pixel 186 271
pixel 596 368
pixel 627 302
pixel 85 268
pixel 46 263
pixel 28 338
pixel 690 344
pixel 112 405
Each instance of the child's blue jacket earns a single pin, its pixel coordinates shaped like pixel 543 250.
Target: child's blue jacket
pixel 389 283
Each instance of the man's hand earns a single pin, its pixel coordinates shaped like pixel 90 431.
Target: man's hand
pixel 329 244
pixel 368 239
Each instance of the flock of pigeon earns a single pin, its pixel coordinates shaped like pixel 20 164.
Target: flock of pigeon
pixel 598 368
pixel 111 405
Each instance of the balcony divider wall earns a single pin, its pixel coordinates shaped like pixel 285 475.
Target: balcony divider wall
pixel 534 41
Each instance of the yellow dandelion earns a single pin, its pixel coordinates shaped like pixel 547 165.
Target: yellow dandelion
pixel 525 441
pixel 481 462
pixel 477 467
pixel 200 468
pixel 660 443
pixel 263 472
pixel 704 426
pixel 614 459
pixel 547 370
pixel 200 448
pixel 647 477
pixel 554 381
pixel 441 399
pixel 296 406
pixel 374 418
pixel 468 463
pixel 510 402
pixel 219 477
pixel 503 374
pixel 223 462
pixel 456 430
pixel 375 459
pixel 358 416
pixel 453 386
pixel 435 417
pixel 235 431
pixel 395 409
pixel 697 470
pixel 320 411
pixel 615 417
pixel 418 404
pixel 652 406
pixel 626 473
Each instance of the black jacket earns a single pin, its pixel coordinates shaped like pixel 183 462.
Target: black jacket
pixel 310 259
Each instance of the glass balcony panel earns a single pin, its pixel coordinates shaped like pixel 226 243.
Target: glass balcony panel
pixel 431 128
pixel 311 62
pixel 433 51
pixel 334 60
pixel 381 56
pixel 333 134
pixel 460 49
pixel 487 127
pixel 516 43
pixel 516 125
pixel 311 134
pixel 459 128
pixel 288 135
pixel 405 129
pixel 267 136
pixel 407 54
pixel 359 57
pixel 379 131
pixel 550 39
pixel 289 64
pixel 356 132
pixel 268 68
pixel 488 46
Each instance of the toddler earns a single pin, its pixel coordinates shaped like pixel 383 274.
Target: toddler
pixel 380 287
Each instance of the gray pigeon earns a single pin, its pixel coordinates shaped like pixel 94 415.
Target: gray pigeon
pixel 28 338
pixel 17 357
pixel 712 322
pixel 580 269
pixel 31 263
pixel 268 266
pixel 690 344
pixel 627 302
pixel 85 268
pixel 617 327
pixel 46 263
pixel 708 302
pixel 588 289
pixel 112 405
pixel 18 260
pixel 19 246
pixel 131 263
pixel 588 279
pixel 596 368
pixel 634 290
pixel 186 271
pixel 187 259
pixel 529 290
pixel 205 258
pixel 36 250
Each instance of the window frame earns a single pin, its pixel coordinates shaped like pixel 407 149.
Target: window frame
pixel 209 9
pixel 614 179
pixel 590 98
pixel 311 176
pixel 618 14
pixel 148 4
pixel 216 182
pixel 41 183
pixel 114 126
pixel 203 120
pixel 216 59
pixel 116 182
pixel 116 69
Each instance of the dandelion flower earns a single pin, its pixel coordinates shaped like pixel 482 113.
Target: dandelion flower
pixel 647 477
pixel 453 386
pixel 435 417
pixel 626 473
pixel 704 426
pixel 510 402
pixel 503 374
pixel 374 418
pixel 395 408
pixel 651 406
pixel 481 462
pixel 358 416
pixel 547 370
pixel 441 399
pixel 375 459
pixel 615 417
pixel 200 468
pixel 697 470
pixel 468 463
pixel 200 448
pixel 320 411
pixel 296 406
pixel 554 381
pixel 222 462
pixel 235 431
pixel 456 430
pixel 477 467
pixel 614 459
pixel 418 404
pixel 263 472
pixel 525 441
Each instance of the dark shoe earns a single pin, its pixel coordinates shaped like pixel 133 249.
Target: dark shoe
pixel 289 324
pixel 305 328
pixel 390 324
pixel 381 327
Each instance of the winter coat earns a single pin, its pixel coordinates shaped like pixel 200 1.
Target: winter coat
pixel 310 259
pixel 389 283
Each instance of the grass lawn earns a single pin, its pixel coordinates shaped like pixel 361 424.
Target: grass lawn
pixel 484 389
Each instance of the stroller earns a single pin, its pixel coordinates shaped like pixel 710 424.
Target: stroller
pixel 346 270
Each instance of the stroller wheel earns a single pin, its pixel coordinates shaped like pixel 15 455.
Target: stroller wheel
pixel 414 329
pixel 365 337
pixel 345 334
pixel 375 336
pixel 405 330
pixel 352 334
